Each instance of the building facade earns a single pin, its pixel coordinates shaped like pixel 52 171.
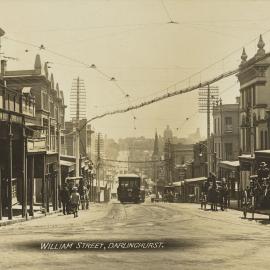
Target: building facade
pixel 226 132
pixel 47 125
pixel 17 108
pixel 254 78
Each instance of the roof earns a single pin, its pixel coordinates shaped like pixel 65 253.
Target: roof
pixel 198 179
pixel 128 175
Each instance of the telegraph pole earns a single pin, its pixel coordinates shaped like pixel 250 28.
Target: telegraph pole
pixel 98 167
pixel 207 95
pixel 208 130
pixel 77 140
pixel 77 111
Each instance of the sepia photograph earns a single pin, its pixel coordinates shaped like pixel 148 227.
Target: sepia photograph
pixel 134 134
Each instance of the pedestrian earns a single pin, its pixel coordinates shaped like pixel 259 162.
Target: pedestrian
pixel 75 201
pixel 65 196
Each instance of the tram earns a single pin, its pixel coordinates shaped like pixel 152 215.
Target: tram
pixel 129 188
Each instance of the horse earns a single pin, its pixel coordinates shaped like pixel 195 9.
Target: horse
pixel 213 197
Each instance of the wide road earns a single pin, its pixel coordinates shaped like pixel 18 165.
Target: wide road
pixel 194 239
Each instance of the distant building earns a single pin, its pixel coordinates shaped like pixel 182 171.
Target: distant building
pixel 168 134
pixel 194 137
pixel 156 162
pixel 176 157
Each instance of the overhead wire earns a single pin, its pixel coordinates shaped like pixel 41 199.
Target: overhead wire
pixel 185 90
pixel 174 93
pixel 154 93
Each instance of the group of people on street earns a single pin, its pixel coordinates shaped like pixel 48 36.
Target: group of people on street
pixel 73 197
pixel 214 194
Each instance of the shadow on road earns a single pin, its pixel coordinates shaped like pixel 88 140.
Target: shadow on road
pixel 263 221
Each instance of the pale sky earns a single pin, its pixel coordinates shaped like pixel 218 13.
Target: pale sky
pixel 131 41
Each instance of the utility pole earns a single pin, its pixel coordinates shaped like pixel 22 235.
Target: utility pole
pixel 98 167
pixel 77 112
pixel 207 95
pixel 77 154
pixel 208 130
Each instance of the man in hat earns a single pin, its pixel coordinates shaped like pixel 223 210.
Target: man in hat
pixel 75 201
pixel 64 195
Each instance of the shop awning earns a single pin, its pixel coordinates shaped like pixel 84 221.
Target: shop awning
pixel 229 164
pixel 198 179
pixel 178 184
pixel 70 165
pixel 66 163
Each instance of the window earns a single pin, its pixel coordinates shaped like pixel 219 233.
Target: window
pixel 218 125
pixel 248 97
pixel 10 103
pixel 14 188
pixel 228 124
pixel 261 140
pixel 44 101
pixel 215 125
pixel 242 100
pixel 51 107
pixel 62 140
pixel 254 95
pixel 228 151
pixel 1 100
pixel 265 140
pixel 17 104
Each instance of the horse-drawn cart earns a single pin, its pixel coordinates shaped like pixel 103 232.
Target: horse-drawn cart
pixel 256 197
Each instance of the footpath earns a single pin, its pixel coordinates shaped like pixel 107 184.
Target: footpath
pixel 38 213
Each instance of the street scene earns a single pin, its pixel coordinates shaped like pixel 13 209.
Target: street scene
pixel 134 134
pixel 193 237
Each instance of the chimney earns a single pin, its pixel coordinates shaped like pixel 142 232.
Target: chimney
pixel 3 67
